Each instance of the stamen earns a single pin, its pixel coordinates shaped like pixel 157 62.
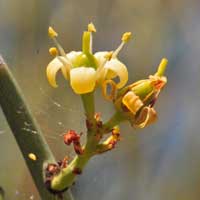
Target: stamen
pixel 59 47
pixel 53 51
pixel 91 28
pixel 107 57
pixel 52 33
pixel 116 52
pixel 125 38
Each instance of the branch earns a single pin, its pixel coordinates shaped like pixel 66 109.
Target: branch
pixel 95 130
pixel 18 115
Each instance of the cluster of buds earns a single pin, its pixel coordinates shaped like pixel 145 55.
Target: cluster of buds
pixel 72 137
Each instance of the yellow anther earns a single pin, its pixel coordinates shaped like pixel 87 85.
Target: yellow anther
pixel 53 51
pixel 32 156
pixel 109 55
pixel 91 28
pixel 126 37
pixel 52 33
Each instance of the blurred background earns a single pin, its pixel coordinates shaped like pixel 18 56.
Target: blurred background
pixel 158 162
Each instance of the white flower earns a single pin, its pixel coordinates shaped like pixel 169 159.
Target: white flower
pixel 83 79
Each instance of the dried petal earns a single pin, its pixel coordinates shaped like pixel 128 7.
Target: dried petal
pixel 132 102
pixel 111 94
pixel 146 116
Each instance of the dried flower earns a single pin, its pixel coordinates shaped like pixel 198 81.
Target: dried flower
pixel 136 101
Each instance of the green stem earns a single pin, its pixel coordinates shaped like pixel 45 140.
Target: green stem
pixel 67 176
pixel 88 104
pixel 30 139
pixel 115 120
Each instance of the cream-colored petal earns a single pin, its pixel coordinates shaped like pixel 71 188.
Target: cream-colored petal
pixel 100 56
pixel 73 55
pixel 83 79
pixel 53 67
pixel 117 68
pixel 101 71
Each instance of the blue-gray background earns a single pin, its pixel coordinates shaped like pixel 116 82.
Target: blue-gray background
pixel 159 162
